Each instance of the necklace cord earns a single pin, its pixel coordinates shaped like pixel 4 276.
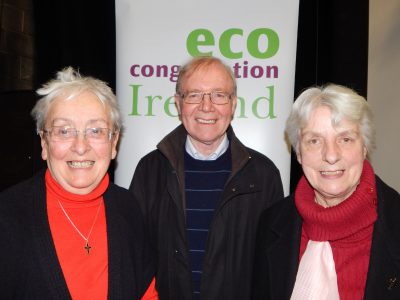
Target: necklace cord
pixel 86 239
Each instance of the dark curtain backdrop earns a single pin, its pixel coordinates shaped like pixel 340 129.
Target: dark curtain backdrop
pixel 75 33
pixel 332 47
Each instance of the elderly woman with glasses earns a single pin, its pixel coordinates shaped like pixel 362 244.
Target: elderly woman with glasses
pixel 68 232
pixel 338 235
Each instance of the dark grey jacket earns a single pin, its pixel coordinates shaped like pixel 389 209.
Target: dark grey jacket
pixel 278 246
pixel 29 267
pixel 253 185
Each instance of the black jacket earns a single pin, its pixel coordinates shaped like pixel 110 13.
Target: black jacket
pixel 29 267
pixel 158 183
pixel 278 246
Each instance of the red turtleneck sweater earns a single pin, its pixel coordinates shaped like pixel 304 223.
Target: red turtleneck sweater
pixel 348 228
pixel 86 275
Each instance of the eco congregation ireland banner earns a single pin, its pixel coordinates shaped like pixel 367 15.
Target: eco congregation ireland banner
pixel 257 38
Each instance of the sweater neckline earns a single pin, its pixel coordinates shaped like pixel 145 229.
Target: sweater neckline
pixel 349 219
pixel 71 200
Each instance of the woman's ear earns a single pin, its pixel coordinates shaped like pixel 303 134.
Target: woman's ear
pixel 44 145
pixel 114 144
pixel 298 156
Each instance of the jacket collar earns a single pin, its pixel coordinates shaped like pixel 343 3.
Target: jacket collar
pixel 173 145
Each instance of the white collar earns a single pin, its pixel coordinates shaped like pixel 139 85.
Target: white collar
pixel 193 152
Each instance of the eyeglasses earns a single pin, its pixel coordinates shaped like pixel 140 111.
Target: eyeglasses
pixel 94 135
pixel 216 97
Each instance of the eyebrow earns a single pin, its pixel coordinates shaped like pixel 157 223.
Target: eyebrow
pixel 341 133
pixel 71 121
pixel 97 120
pixel 60 120
pixel 203 91
pixel 349 132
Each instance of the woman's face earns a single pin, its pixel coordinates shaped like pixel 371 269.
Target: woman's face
pixel 331 157
pixel 78 165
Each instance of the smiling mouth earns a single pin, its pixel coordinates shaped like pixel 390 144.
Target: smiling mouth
pixel 203 121
pixel 80 164
pixel 332 173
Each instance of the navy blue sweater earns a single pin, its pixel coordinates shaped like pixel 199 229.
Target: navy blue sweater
pixel 204 184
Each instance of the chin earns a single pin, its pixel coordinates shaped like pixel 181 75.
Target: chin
pixel 82 185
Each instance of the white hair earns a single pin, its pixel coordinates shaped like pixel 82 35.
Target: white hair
pixel 343 102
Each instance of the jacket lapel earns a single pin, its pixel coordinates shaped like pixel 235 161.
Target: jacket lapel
pixel 172 147
pixel 44 244
pixel 383 280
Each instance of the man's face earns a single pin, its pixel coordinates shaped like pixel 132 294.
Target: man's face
pixel 206 123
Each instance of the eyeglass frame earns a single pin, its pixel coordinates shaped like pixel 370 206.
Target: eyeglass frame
pixel 76 132
pixel 210 94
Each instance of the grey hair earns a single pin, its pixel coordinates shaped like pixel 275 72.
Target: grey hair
pixel 199 62
pixel 343 102
pixel 69 83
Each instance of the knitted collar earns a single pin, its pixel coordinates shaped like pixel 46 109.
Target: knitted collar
pixel 55 189
pixel 349 219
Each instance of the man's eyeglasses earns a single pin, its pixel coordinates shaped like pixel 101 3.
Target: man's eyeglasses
pixel 216 97
pixel 94 135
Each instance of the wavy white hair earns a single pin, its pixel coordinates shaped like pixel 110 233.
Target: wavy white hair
pixel 343 102
pixel 69 83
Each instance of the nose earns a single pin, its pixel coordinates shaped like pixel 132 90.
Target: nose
pixel 80 144
pixel 206 104
pixel 331 152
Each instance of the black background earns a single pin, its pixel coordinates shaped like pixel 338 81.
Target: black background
pixel 332 47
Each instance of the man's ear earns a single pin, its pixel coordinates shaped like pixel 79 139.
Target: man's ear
pixel 234 103
pixel 178 104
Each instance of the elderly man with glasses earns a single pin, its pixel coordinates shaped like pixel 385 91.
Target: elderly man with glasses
pixel 202 191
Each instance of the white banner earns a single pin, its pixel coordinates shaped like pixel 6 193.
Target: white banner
pixel 257 38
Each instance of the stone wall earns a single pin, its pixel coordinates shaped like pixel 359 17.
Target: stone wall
pixel 16 45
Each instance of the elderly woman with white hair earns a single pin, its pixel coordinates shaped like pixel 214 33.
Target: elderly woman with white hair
pixel 338 235
pixel 68 232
